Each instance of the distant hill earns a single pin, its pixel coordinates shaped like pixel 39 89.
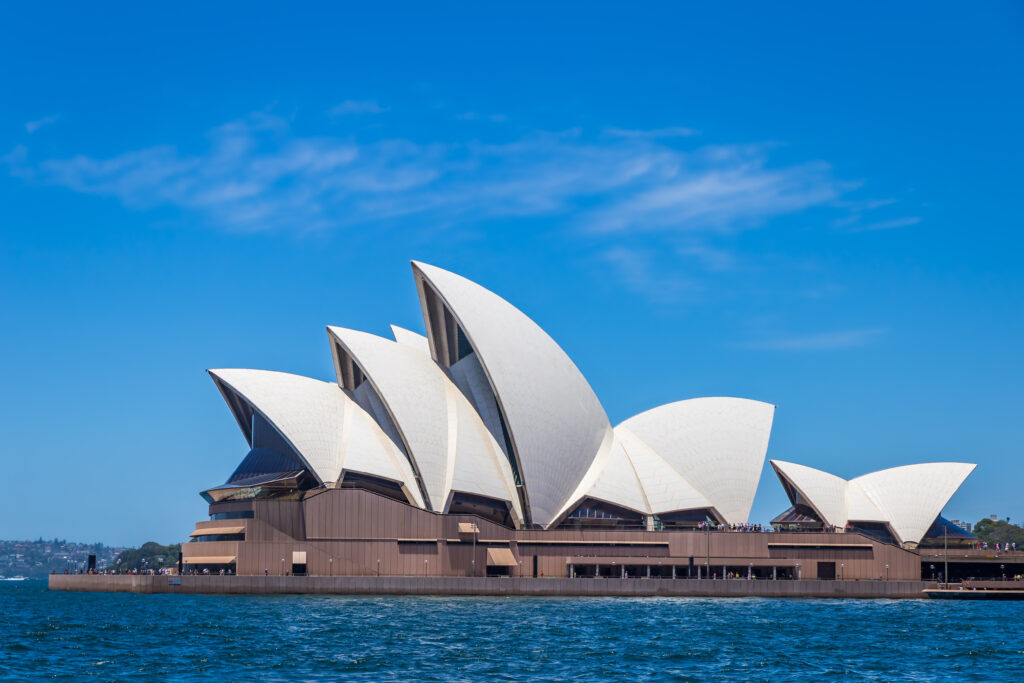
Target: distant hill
pixel 36 559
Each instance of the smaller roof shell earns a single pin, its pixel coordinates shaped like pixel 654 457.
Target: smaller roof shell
pixel 717 445
pixel 328 430
pixel 907 498
pixel 448 442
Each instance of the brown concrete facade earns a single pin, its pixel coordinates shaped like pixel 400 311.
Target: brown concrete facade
pixel 357 533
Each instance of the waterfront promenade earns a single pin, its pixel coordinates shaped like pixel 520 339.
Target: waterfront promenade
pixel 494 586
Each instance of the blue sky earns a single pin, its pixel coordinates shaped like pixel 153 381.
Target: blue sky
pixel 817 207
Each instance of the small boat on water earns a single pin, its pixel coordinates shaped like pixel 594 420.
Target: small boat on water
pixel 13 578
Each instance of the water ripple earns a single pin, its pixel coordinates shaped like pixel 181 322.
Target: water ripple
pixel 101 636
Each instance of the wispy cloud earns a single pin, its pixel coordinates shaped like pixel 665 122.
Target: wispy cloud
pixel 653 133
pixel 856 220
pixel 817 341
pixel 887 225
pixel 712 258
pixel 476 116
pixel 638 270
pixel 357 107
pixel 257 173
pixel 33 126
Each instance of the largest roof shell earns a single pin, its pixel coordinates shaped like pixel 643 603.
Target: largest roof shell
pixel 555 423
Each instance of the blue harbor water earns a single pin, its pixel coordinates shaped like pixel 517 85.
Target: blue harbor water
pixel 117 636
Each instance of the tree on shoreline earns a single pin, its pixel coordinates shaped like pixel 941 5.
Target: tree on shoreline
pixel 999 531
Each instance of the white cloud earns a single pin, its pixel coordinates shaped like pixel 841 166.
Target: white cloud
pixel 358 107
pixel 887 225
pixel 257 173
pixel 476 116
pixel 638 270
pixel 33 126
pixel 818 341
pixel 653 133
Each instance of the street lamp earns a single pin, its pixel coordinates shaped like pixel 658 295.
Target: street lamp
pixel 425 562
pixel 842 571
pixel 798 574
pixel 886 572
pixel 1002 568
pixel 282 566
pixel 932 566
pixel 750 571
pixel 378 567
pixel 331 561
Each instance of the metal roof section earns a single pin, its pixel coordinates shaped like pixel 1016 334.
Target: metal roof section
pixel 327 429
pixel 718 445
pixel 554 421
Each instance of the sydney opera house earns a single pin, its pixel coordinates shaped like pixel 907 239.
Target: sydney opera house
pixel 481 450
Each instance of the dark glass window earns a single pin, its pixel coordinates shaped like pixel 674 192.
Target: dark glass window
pixel 239 514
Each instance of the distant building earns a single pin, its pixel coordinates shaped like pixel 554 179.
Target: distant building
pixel 966 526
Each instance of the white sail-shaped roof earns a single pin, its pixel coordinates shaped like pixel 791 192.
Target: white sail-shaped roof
pixel 411 339
pixel 907 498
pixel 554 422
pixel 612 479
pixel 325 427
pixel 912 496
pixel 717 445
pixel 445 437
pixel 825 493
pixel 664 488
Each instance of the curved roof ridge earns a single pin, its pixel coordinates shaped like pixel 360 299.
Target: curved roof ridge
pixel 412 339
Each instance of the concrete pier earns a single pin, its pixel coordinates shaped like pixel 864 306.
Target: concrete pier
pixel 550 587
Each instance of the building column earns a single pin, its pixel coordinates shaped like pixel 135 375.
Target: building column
pixel 673 572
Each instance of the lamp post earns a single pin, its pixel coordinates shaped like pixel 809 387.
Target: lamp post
pixel 331 564
pixel 933 571
pixel 798 574
pixel 378 567
pixel 842 571
pixel 945 549
pixel 425 563
pixel 707 558
pixel 282 566
pixel 750 571
pixel 886 572
pixel 1002 568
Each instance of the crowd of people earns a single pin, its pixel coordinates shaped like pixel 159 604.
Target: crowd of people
pixel 1005 547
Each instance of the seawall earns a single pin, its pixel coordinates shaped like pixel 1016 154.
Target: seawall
pixel 550 587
